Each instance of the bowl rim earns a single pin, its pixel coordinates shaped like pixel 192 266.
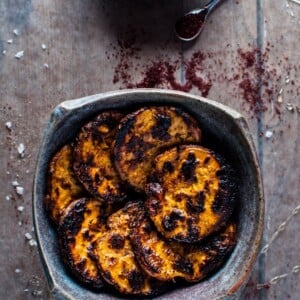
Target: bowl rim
pixel 66 108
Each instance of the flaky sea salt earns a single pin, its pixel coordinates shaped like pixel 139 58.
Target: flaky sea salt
pixel 20 208
pixel 10 41
pixel 44 47
pixel 268 134
pixel 46 66
pixel 17 271
pixel 4 52
pixel 32 243
pixel 7 197
pixel 290 107
pixel 15 183
pixel 8 125
pixel 20 223
pixel 16 32
pixel 28 236
pixel 21 149
pixel 19 54
pixel 20 190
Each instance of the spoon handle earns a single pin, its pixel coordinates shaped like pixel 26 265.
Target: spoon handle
pixel 210 6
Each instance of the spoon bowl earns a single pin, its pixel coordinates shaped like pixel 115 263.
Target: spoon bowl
pixel 191 24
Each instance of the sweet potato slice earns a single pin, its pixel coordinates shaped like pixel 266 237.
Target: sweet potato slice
pixel 116 259
pixel 155 255
pixel 192 195
pixel 144 133
pixel 166 260
pixel 63 186
pixel 210 256
pixel 92 158
pixel 82 223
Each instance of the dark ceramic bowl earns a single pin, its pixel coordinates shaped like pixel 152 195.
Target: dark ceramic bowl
pixel 224 129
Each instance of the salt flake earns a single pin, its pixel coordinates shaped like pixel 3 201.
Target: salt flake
pixel 10 41
pixel 290 107
pixel 20 190
pixel 268 134
pixel 4 52
pixel 20 208
pixel 16 32
pixel 44 47
pixel 32 243
pixel 17 270
pixel 7 197
pixel 15 183
pixel 21 149
pixel 28 236
pixel 19 54
pixel 8 125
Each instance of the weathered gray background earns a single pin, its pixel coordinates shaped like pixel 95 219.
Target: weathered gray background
pixel 82 56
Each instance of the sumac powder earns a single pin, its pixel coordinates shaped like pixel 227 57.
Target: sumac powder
pixel 189 25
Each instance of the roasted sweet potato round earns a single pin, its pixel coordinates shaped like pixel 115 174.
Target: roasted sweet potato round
pixel 155 254
pixel 63 186
pixel 144 133
pixel 192 193
pixel 166 260
pixel 92 158
pixel 82 223
pixel 116 259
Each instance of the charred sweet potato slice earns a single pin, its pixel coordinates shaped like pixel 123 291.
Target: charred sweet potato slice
pixel 63 186
pixel 208 257
pixel 170 260
pixel 92 157
pixel 193 194
pixel 155 255
pixel 116 259
pixel 82 223
pixel 144 133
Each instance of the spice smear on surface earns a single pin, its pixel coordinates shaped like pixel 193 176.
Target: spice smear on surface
pixel 259 84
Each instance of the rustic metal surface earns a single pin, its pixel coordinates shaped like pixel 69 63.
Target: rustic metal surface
pixel 85 51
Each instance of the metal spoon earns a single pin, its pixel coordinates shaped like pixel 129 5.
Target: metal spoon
pixel 191 24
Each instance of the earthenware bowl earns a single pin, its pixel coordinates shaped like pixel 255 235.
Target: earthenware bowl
pixel 223 129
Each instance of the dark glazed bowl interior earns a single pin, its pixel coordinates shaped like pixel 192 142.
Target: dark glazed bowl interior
pixel 224 130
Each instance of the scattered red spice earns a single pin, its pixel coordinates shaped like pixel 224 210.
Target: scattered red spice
pixel 251 75
pixel 189 25
pixel 248 57
pixel 162 73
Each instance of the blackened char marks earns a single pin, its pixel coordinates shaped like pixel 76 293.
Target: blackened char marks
pixel 86 235
pixel 154 191
pixel 168 167
pixel 136 280
pixel 160 129
pixel 196 205
pixel 170 222
pixel 81 265
pixel 125 126
pixel 193 231
pixel 72 222
pixel 184 266
pixel 117 241
pixel 227 193
pixel 188 168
